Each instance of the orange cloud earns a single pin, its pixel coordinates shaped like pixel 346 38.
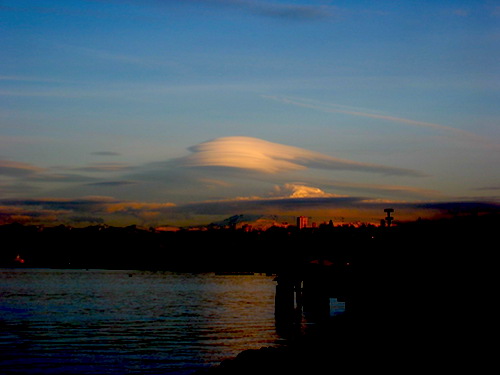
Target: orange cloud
pixel 75 211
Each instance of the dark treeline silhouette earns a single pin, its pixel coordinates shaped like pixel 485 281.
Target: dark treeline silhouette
pixel 220 249
pixel 430 241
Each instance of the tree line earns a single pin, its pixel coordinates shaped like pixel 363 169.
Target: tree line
pixel 226 249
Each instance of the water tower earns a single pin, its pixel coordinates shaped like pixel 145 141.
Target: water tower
pixel 389 218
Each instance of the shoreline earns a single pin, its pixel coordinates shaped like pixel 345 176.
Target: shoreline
pixel 329 344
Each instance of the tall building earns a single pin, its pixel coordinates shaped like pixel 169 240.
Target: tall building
pixel 302 222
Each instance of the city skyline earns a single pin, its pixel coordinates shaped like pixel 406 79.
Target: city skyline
pixel 188 112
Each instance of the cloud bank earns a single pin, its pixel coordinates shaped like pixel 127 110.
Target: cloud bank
pixel 217 178
pixel 91 210
pixel 87 210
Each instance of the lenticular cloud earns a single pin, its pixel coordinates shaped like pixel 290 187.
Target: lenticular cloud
pixel 268 157
pixel 246 153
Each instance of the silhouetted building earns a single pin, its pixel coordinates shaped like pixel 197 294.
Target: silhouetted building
pixel 302 222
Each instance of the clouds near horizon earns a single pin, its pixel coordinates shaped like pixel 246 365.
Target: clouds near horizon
pixel 108 210
pixel 244 160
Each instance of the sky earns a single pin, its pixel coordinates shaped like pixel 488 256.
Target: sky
pixel 165 112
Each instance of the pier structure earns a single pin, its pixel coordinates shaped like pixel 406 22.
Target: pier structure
pixel 307 290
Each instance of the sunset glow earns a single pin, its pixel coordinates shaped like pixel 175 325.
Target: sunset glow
pixel 180 113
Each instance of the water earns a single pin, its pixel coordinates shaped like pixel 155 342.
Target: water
pixel 129 322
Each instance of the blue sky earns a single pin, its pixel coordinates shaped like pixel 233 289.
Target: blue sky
pixel 181 112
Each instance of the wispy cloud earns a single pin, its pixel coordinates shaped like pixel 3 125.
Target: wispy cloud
pixel 486 188
pixel 280 10
pixel 262 8
pixel 112 183
pixel 104 167
pixel 333 108
pixel 59 178
pixel 105 153
pixel 30 79
pixel 17 169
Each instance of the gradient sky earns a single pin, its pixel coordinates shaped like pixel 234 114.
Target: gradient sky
pixel 159 112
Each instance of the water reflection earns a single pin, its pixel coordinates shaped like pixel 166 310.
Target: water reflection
pixel 115 322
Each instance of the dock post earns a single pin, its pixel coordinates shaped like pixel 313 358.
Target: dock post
pixel 284 299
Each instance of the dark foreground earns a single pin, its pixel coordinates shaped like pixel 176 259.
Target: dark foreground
pixel 419 302
pixel 392 347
